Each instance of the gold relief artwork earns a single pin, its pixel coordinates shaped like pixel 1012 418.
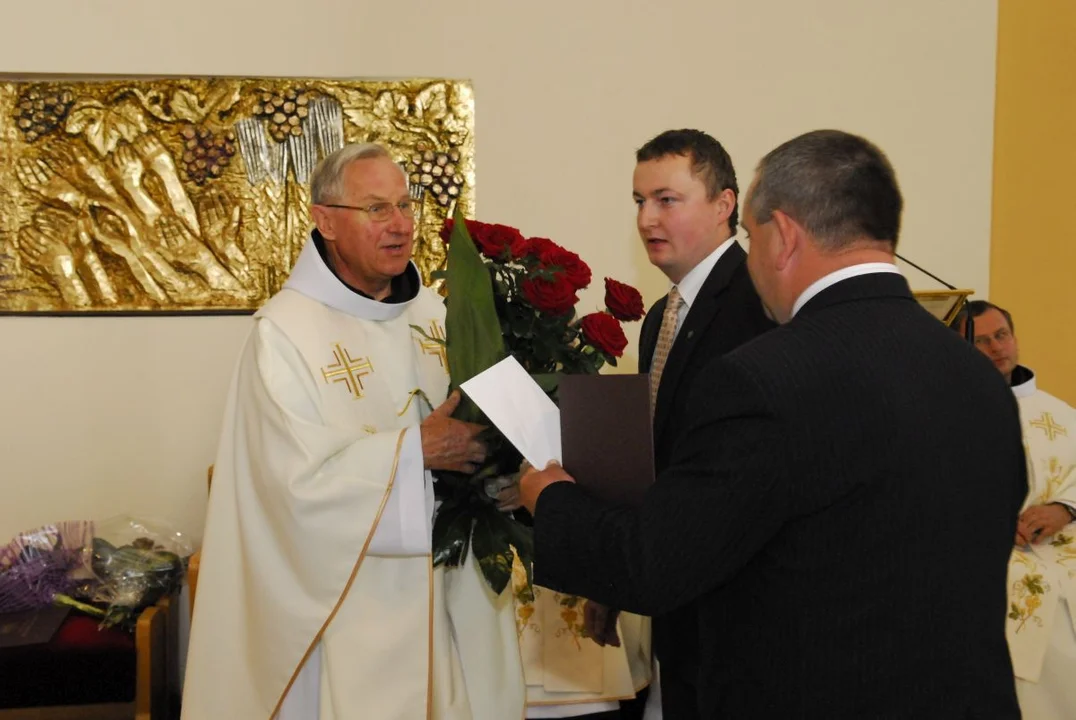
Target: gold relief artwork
pixel 192 195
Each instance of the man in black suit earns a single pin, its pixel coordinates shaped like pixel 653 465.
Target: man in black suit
pixel 831 465
pixel 686 192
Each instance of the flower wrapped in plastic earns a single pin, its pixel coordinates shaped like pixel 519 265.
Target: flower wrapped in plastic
pixel 135 563
pixel 112 570
pixel 40 565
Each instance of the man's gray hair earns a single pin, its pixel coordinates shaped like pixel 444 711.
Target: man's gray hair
pixel 327 180
pixel 838 186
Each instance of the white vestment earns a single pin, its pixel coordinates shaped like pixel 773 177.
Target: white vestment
pixel 317 597
pixel 1042 577
pixel 567 673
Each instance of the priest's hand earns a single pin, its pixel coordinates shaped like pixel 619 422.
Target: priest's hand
pixel 450 444
pixel 1041 521
pixel 534 482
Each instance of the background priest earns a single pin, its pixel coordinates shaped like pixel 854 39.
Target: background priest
pixel 1042 571
pixel 317 595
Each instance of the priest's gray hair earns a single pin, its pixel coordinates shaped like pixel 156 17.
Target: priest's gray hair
pixel 327 180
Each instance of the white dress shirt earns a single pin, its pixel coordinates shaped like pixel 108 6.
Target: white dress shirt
pixel 690 285
pixel 843 274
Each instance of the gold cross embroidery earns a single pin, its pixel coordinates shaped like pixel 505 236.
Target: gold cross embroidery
pixel 347 370
pixel 436 345
pixel 1047 425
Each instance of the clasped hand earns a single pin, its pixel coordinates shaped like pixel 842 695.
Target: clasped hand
pixel 450 444
pixel 1040 522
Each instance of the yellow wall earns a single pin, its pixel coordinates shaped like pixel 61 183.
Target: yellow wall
pixel 107 415
pixel 1033 242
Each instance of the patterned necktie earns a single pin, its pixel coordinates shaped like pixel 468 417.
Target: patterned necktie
pixel 665 341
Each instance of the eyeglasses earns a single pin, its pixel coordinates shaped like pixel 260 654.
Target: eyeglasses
pixel 382 211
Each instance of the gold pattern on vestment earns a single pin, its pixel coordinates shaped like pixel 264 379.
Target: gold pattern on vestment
pixel 347 370
pixel 417 392
pixel 434 344
pixel 1056 477
pixel 1048 425
pixel 1026 599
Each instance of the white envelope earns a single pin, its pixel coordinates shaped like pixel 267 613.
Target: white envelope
pixel 520 409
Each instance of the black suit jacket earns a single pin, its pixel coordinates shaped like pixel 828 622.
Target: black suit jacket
pixel 842 509
pixel 726 313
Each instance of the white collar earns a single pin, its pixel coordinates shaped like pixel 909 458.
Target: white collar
pixel 313 278
pixel 837 276
pixel 1026 388
pixel 690 285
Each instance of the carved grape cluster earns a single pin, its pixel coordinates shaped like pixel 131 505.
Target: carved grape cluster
pixel 41 110
pixel 284 111
pixel 206 153
pixel 438 172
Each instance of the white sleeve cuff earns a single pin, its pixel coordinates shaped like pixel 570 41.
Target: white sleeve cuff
pixel 405 527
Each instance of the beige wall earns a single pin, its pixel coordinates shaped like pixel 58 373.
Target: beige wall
pixel 103 415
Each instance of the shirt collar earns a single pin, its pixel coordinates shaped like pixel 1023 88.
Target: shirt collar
pixel 838 275
pixel 402 288
pixel 312 277
pixel 1023 382
pixel 690 285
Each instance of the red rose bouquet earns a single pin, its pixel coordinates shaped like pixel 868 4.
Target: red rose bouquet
pixel 511 295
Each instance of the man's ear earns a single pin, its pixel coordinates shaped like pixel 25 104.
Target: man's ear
pixel 790 238
pixel 726 203
pixel 323 220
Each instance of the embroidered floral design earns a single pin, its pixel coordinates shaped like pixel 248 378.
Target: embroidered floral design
pixel 1066 552
pixel 525 596
pixel 1027 594
pixel 571 612
pixel 1056 477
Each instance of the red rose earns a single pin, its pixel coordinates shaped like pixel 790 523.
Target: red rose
pixel 551 254
pixel 536 246
pixel 623 301
pixel 490 239
pixel 603 331
pixel 556 296
pixel 493 240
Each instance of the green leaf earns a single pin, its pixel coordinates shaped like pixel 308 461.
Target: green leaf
pixel 547 381
pixel 492 550
pixel 451 534
pixel 521 538
pixel 423 333
pixel 471 323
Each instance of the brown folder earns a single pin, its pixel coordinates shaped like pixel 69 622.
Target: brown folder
pixel 606 435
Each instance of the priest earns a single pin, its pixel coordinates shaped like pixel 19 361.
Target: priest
pixel 317 595
pixel 1041 625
